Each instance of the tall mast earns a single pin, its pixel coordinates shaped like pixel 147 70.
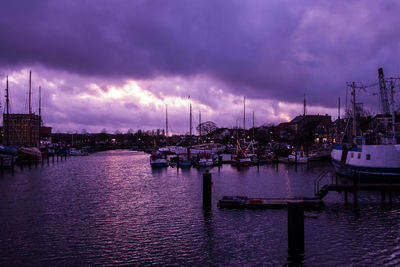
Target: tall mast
pixel 200 124
pixel 166 125
pixel 393 114
pixel 30 84
pixel 40 111
pixel 383 93
pixel 8 118
pixel 244 117
pixel 339 109
pixel 253 126
pixel 304 106
pixel 353 87
pixel 190 131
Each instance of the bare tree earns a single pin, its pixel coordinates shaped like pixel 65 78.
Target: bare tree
pixel 207 127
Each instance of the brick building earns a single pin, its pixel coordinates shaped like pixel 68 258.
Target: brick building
pixel 21 129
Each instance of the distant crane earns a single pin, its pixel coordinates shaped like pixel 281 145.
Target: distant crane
pixel 383 93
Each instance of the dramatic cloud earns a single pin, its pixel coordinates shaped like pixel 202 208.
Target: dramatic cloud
pixel 116 64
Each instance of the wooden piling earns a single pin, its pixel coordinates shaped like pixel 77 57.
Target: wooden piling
pixel 355 200
pixel 207 185
pixel 295 229
pixel 12 163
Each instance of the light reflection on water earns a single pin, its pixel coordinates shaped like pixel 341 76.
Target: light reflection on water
pixel 112 208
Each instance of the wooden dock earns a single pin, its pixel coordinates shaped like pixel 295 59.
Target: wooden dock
pixel 243 202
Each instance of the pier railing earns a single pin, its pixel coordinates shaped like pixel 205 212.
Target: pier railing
pixel 323 175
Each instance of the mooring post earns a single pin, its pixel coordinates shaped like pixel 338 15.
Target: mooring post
pixel 355 203
pixel 295 229
pixel 2 164
pixel 12 164
pixel 207 183
pixel 346 200
pixel 390 191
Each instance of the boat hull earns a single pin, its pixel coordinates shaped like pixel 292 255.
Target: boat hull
pixel 159 164
pixel 369 161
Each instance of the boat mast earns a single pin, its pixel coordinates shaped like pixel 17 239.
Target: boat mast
pixel 40 111
pixel 353 87
pixel 200 125
pixel 304 106
pixel 190 131
pixel 30 109
pixel 30 94
pixel 383 93
pixel 253 127
pixel 166 125
pixel 339 109
pixel 7 116
pixel 244 117
pixel 393 113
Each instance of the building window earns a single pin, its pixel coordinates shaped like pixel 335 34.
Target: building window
pixel 368 156
pixel 352 154
pixel 359 156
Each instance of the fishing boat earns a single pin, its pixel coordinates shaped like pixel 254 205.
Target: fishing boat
pixel 158 159
pixel 241 158
pixel 78 152
pixel 372 154
pixel 183 160
pixel 204 159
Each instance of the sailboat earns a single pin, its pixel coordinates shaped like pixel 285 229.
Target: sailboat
pixel 158 157
pixel 241 158
pixel 185 159
pixel 372 155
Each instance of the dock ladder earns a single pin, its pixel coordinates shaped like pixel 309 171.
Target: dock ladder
pixel 321 192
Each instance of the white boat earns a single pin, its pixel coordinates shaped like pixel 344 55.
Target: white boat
pixel 239 160
pixel 376 153
pixel 298 157
pixel 158 159
pixel 77 152
pixel 367 160
pixel 204 159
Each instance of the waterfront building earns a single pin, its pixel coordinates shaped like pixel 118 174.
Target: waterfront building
pixel 21 129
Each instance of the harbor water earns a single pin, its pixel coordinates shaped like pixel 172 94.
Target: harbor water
pixel 113 208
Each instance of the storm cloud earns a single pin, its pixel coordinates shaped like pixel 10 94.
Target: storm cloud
pixel 275 51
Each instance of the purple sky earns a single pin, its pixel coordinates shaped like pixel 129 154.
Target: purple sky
pixel 114 65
